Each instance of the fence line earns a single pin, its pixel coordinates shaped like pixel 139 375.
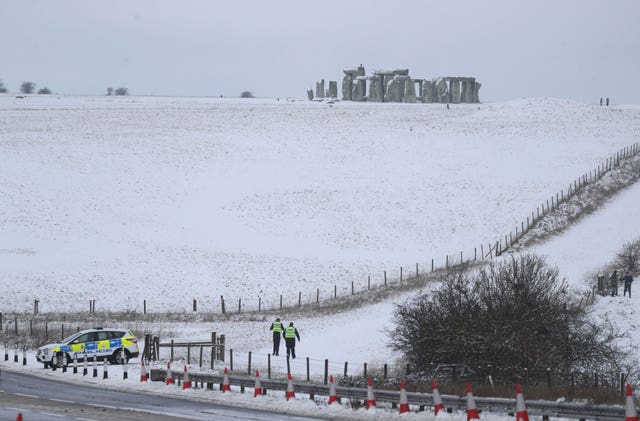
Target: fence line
pixel 405 275
pixel 546 409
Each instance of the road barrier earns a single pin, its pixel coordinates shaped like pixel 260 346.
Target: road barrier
pixel 546 409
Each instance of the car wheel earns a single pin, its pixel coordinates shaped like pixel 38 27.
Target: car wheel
pixel 120 357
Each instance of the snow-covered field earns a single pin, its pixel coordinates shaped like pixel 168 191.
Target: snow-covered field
pixel 170 199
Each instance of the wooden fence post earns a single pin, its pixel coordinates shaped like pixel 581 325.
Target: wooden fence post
pixel 269 366
pixel 385 277
pixel 213 351
pixel 299 298
pixel 326 371
pixel 222 304
pixel 231 359
pixel 346 363
pixel 249 364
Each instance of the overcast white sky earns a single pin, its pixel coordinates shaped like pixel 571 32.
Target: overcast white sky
pixel 580 49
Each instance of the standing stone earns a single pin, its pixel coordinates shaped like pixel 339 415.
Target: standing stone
pixel 359 91
pixel 333 89
pixel 468 85
pixel 347 83
pixel 320 89
pixel 392 93
pixel 440 88
pixel 427 92
pixel 375 88
pixel 409 90
pixel 362 82
pixel 310 94
pixel 385 77
pixel 454 89
pixel 401 80
pixel 476 88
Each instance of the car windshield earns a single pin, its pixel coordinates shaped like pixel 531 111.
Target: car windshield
pixel 70 338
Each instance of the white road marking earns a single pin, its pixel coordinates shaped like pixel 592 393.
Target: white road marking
pixel 27 396
pixel 62 400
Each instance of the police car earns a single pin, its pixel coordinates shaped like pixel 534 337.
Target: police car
pixel 116 345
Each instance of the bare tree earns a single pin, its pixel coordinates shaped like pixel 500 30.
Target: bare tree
pixel 3 90
pixel 27 87
pixel 122 91
pixel 509 316
pixel 629 257
pixel 44 91
pixel 109 91
pixel 246 94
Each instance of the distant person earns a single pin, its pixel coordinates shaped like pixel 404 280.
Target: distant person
pixel 601 101
pixel 290 334
pixel 607 101
pixel 276 328
pixel 627 283
pixel 613 282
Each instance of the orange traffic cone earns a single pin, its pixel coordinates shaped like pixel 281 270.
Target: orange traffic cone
pixel 186 383
pixel 371 400
pixel 333 396
pixel 404 402
pixel 521 410
pixel 257 389
pixel 143 372
pixel 437 399
pixel 630 407
pixel 19 417
pixel 169 379
pixel 226 387
pixel 290 393
pixel 472 411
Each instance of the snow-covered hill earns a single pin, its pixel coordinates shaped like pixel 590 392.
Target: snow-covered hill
pixel 170 199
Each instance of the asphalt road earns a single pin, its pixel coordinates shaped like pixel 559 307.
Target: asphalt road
pixel 41 399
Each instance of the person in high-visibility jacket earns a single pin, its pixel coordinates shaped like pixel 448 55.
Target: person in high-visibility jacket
pixel 290 334
pixel 276 328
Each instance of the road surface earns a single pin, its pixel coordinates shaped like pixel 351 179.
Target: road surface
pixel 41 399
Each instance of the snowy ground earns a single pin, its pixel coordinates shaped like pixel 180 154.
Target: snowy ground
pixel 170 199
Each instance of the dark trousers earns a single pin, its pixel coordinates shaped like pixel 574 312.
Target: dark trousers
pixel 291 346
pixel 627 287
pixel 276 343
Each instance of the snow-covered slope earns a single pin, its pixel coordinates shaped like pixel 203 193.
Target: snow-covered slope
pixel 170 199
